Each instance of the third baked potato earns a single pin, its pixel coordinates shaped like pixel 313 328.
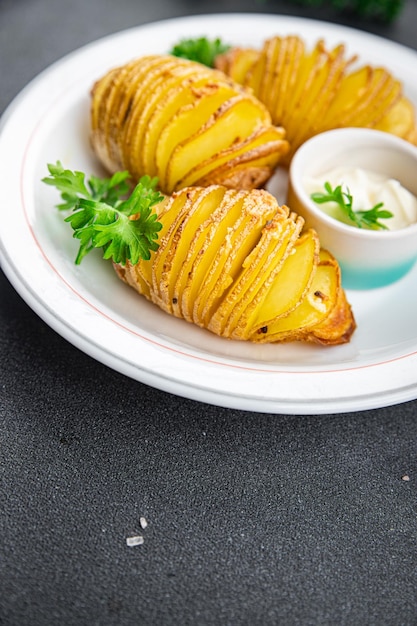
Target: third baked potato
pixel 309 91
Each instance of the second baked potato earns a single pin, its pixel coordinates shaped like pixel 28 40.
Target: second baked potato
pixel 183 123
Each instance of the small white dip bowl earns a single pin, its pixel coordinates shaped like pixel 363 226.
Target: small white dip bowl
pixel 368 258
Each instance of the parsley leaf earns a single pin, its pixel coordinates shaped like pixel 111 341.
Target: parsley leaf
pixel 362 218
pixel 72 186
pixel 126 229
pixel 201 49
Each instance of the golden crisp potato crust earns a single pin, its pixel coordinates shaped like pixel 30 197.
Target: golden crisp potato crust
pixel 184 123
pixel 311 91
pixel 238 264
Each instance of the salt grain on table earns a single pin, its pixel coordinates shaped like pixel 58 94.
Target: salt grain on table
pixel 134 541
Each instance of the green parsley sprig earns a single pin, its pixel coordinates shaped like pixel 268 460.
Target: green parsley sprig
pixel 362 218
pixel 126 229
pixel 200 49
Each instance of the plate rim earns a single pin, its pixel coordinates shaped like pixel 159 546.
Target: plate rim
pixel 376 399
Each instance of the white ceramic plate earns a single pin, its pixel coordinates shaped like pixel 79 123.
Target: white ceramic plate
pixel 91 308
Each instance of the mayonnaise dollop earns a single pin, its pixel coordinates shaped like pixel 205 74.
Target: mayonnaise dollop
pixel 367 189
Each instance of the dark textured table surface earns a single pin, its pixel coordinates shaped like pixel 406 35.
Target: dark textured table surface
pixel 252 518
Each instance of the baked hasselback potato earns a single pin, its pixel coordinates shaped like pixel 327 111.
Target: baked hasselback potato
pixel 183 123
pixel 311 91
pixel 238 264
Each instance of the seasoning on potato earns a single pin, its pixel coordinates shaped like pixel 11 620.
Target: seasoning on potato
pixel 231 261
pixel 311 91
pixel 184 123
pixel 241 266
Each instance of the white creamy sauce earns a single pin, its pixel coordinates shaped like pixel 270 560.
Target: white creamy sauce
pixel 367 189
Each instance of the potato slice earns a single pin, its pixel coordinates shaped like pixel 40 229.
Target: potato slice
pixel 274 58
pixel 161 115
pixel 337 327
pixel 400 121
pixel 312 309
pixel 352 92
pixel 206 101
pixel 172 226
pixel 307 71
pixel 111 106
pixel 255 76
pixel 204 251
pixel 122 103
pixel 315 100
pixel 135 121
pixel 181 90
pixel 144 86
pixel 216 199
pixel 132 277
pixel 276 241
pixel 184 246
pixel 102 93
pixel 168 214
pixel 285 82
pixel 285 288
pixel 371 101
pixel 238 324
pixel 197 245
pixel 231 124
pixel 237 63
pixel 256 209
pixel 260 149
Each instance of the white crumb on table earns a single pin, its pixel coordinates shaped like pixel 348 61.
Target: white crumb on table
pixel 134 541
